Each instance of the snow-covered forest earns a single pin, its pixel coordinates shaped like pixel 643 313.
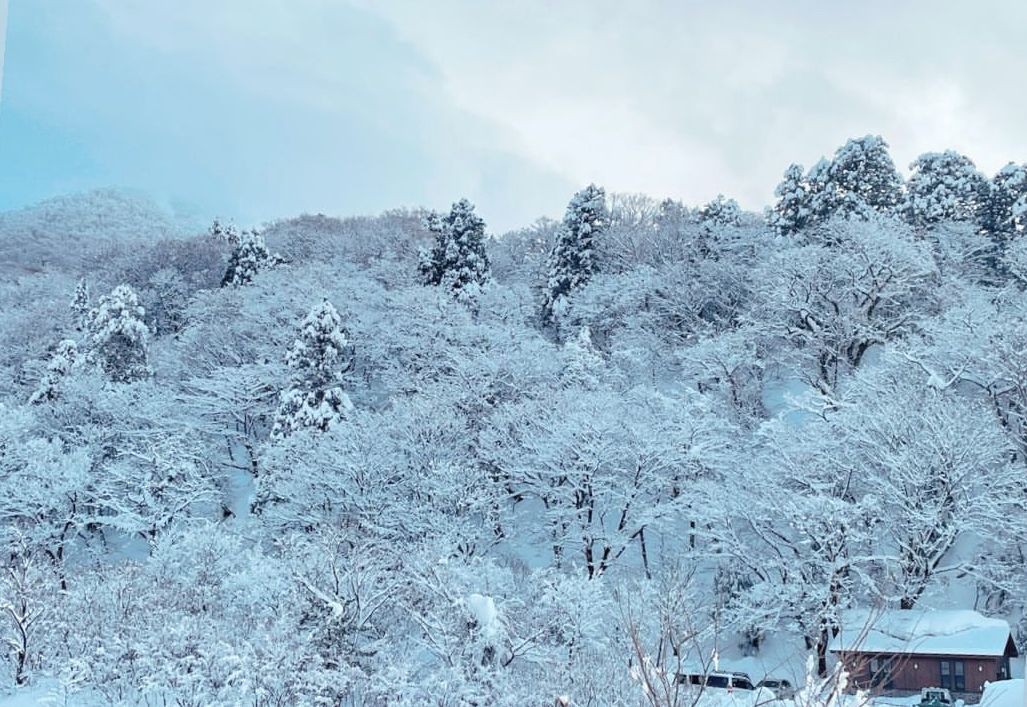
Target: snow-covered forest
pixel 402 460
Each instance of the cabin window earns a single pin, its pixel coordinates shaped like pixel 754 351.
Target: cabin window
pixel 1003 669
pixel 953 675
pixel 882 673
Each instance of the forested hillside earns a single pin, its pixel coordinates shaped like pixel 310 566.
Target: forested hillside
pixel 401 460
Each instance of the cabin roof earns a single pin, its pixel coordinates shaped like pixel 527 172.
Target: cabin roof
pixel 923 632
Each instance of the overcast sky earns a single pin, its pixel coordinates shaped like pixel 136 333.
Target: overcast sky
pixel 255 109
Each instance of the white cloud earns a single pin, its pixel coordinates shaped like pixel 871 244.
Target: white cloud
pixel 284 105
pixel 691 99
pixel 260 110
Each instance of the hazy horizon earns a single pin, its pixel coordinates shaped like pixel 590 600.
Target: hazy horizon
pixel 354 108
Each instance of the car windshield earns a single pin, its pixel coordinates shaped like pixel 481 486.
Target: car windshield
pixel 717 681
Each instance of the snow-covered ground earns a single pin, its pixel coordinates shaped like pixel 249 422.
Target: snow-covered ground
pixel 47 693
pixel 1005 693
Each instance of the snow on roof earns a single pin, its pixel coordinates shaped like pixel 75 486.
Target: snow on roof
pixel 934 632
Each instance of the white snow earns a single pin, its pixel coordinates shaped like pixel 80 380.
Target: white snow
pixel 935 632
pixel 1004 693
pixel 483 608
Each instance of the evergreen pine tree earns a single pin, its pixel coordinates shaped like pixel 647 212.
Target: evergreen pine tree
pixel 1002 213
pixel 792 210
pixel 1019 213
pixel 861 180
pixel 119 336
pixel 458 260
pixel 320 358
pixel 64 358
pixel 713 217
pixel 862 175
pixel 229 234
pixel 820 192
pixel 944 186
pixel 721 212
pixel 80 305
pixel 572 260
pixel 249 257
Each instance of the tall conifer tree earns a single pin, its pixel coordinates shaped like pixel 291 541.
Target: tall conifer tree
pixel 572 261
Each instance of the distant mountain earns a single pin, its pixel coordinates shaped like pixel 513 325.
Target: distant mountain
pixel 66 231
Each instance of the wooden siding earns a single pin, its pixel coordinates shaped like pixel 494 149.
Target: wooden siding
pixel 911 673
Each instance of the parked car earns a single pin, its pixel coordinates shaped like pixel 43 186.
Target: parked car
pixel 781 688
pixel 717 680
pixel 725 689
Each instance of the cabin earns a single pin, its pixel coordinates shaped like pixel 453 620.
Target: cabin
pixel 898 652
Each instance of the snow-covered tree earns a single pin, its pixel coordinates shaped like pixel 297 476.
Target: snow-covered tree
pixel 572 261
pixel 249 256
pixel 43 498
pixel 1003 216
pixel 820 192
pixel 44 485
pixel 29 612
pixel 310 410
pixel 1020 212
pixel 518 257
pixel 80 305
pixel 149 469
pixel 231 627
pixel 729 366
pixel 119 338
pixel 226 232
pixel 1007 189
pixel 964 254
pixel 458 260
pixel 934 466
pixel 792 210
pixel 673 218
pixel 862 174
pixel 721 212
pixel 859 181
pixel 719 220
pixel 866 286
pixel 981 342
pixel 320 357
pixel 943 186
pixel 797 534
pixel 609 469
pixel 1015 260
pixel 64 358
pixel 633 236
pixel 165 298
pixel 323 353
